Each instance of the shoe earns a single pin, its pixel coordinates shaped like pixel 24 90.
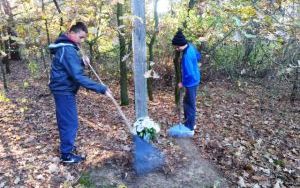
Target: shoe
pixel 70 158
pixel 180 131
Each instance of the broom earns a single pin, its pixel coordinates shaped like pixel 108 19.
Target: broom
pixel 146 157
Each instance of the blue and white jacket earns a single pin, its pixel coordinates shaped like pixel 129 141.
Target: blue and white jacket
pixel 67 69
pixel 191 74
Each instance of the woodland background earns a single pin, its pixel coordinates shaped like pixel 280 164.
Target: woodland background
pixel 248 104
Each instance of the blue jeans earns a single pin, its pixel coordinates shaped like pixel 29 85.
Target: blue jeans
pixel 67 121
pixel 189 106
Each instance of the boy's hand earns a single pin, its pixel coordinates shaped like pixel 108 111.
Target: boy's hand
pixel 86 60
pixel 180 85
pixel 108 93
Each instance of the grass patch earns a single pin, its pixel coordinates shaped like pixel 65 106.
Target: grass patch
pixel 86 181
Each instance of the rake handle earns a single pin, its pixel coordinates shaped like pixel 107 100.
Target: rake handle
pixel 126 121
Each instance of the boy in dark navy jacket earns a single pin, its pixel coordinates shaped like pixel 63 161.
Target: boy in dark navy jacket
pixel 190 80
pixel 67 75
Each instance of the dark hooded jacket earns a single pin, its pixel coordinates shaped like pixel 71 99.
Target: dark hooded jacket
pixel 67 69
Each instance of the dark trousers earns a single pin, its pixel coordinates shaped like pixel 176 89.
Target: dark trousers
pixel 67 121
pixel 189 106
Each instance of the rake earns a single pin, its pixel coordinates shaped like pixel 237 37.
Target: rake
pixel 147 158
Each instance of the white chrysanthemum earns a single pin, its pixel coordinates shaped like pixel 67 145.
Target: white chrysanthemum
pixel 145 122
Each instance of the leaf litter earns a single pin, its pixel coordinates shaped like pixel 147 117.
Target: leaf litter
pixel 251 144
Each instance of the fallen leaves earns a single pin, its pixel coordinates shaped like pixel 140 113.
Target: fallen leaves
pixel 257 146
pixel 252 148
pixel 53 168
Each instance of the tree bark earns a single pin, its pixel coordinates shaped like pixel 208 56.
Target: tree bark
pixel 3 76
pixel 7 31
pixel 2 66
pixel 59 11
pixel 57 6
pixel 150 46
pixel 48 41
pixel 139 57
pixel 177 66
pixel 295 88
pixel 123 68
pixel 46 24
pixel 6 62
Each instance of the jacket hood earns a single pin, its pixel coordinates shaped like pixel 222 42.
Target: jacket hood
pixel 61 41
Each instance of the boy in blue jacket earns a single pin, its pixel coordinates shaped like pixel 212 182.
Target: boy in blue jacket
pixel 190 80
pixel 67 75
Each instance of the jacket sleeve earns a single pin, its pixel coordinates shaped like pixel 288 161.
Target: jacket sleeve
pixel 72 63
pixel 198 54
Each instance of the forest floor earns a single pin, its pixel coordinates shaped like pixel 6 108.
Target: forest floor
pixel 244 138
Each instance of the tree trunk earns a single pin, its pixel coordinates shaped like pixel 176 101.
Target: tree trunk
pixel 2 67
pixel 46 24
pixel 6 62
pixel 123 68
pixel 44 62
pixel 295 87
pixel 47 31
pixel 48 42
pixel 139 57
pixel 7 50
pixel 11 46
pixel 59 11
pixel 177 66
pixel 150 80
pixel 3 76
pixel 177 56
pixel 151 56
pixel 249 45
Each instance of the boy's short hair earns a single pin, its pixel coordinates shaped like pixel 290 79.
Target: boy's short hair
pixel 79 26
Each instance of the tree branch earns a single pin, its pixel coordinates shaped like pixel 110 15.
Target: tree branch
pixel 57 6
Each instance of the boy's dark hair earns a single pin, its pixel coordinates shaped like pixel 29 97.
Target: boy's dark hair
pixel 79 26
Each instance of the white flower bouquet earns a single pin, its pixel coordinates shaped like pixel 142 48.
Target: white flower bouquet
pixel 146 128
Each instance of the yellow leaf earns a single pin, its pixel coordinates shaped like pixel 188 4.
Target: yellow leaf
pixel 226 28
pixel 122 186
pixel 83 18
pixel 2 53
pixel 44 17
pixel 73 22
pixel 246 12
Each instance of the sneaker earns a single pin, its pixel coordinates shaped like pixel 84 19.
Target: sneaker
pixel 180 131
pixel 71 158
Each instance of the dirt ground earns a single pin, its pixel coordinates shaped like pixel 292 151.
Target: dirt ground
pixel 193 172
pixel 242 139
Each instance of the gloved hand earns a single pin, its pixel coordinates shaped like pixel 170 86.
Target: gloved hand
pixel 86 60
pixel 108 93
pixel 180 85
